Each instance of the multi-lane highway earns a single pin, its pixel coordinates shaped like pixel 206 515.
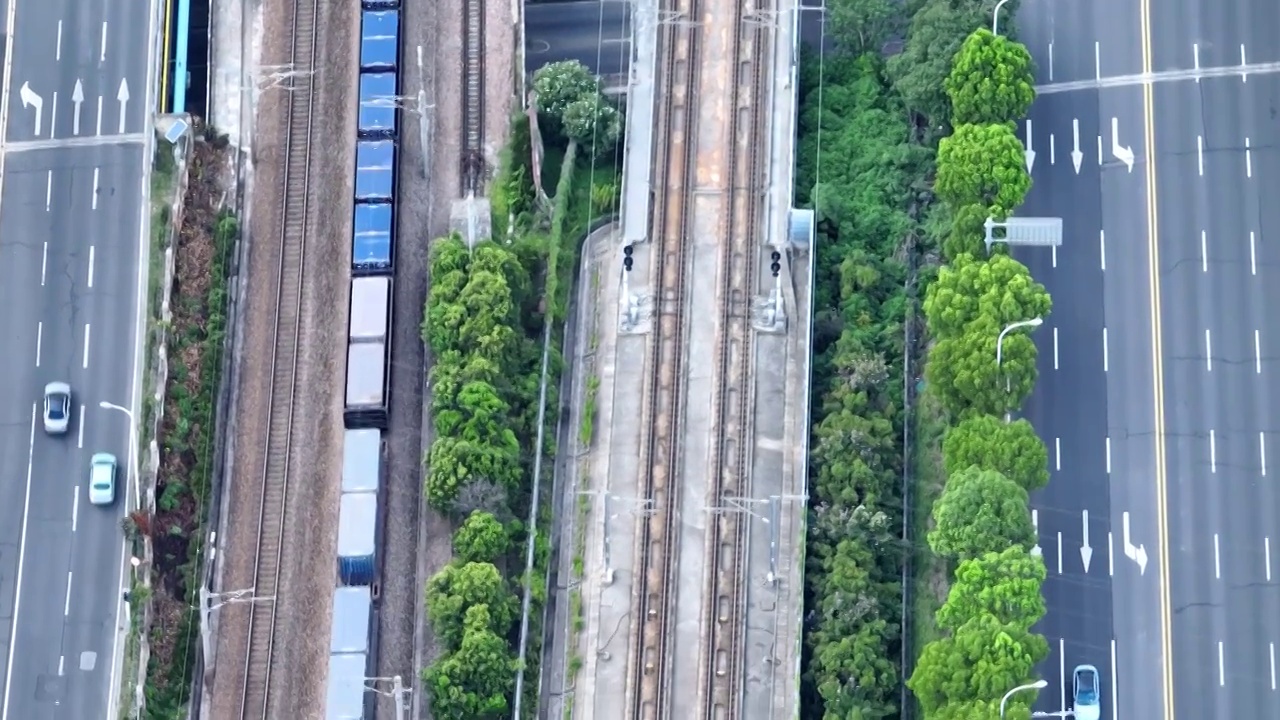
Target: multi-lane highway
pixel 596 34
pixel 1155 138
pixel 72 194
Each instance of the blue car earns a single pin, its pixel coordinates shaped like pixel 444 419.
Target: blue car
pixel 1086 693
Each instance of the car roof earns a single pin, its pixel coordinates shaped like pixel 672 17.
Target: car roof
pixel 57 387
pixel 100 458
pixel 1085 668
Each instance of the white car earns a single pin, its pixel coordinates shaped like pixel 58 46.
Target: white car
pixel 57 408
pixel 102 479
pixel 1086 693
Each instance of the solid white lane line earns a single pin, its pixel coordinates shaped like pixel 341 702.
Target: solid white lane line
pixel 48 194
pixel 57 52
pixel 1050 62
pixel 44 262
pixel 1055 348
pixel 1111 553
pixel 80 443
pixel 1262 451
pixel 95 197
pixel 62 662
pixel 53 115
pixel 1253 253
pixel 1208 351
pixel 1114 703
pixel 1108 455
pixel 39 337
pixel 1217 559
pixel 1106 356
pixel 1099 149
pixel 98 129
pixel 1213 453
pixel 95 188
pixel 1271 647
pixel 1097 60
pixel 75 509
pixel 66 606
pixel 1257 353
pixel 1200 149
pixel 1059 553
pixel 1204 253
pixel 1057 453
pixel 102 56
pixel 1195 53
pixel 1266 550
pixel 1062 672
pixel 1244 76
pixel 1222 675
pixel 1053 255
pixel 22 544
pixel 1248 159
pixel 1102 244
pixel 86 345
pixel 1053 153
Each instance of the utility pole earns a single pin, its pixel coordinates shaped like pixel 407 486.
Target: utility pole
pixel 399 692
pixel 213 601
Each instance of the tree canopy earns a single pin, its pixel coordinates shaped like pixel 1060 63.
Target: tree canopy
pixel 982 165
pixel 999 289
pixel 981 660
pixel 475 680
pixel 460 586
pixel 1004 584
pixel 480 538
pixel 862 26
pixel 980 511
pixel 1012 449
pixel 991 80
pixel 963 374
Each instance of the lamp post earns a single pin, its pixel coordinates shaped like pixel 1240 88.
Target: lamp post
pixel 1033 322
pixel 995 17
pixel 1037 685
pixel 133 452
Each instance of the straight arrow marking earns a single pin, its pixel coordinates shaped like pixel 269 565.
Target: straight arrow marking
pixel 1086 552
pixel 1030 153
pixel 77 99
pixel 123 97
pixel 1077 157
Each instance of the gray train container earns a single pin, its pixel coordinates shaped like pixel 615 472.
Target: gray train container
pixel 352 613
pixel 379 40
pixel 346 694
pixel 361 460
pixel 368 349
pixel 358 539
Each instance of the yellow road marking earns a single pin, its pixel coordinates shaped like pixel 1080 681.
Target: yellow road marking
pixel 1162 519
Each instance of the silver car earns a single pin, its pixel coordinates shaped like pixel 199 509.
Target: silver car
pixel 57 408
pixel 102 479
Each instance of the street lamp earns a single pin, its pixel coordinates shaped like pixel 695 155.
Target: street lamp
pixel 1037 685
pixel 133 452
pixel 995 17
pixel 1033 322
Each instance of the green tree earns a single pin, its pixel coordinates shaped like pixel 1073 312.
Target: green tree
pixel 963 374
pixel 475 680
pixel 1004 584
pixel 967 232
pixel 455 462
pixel 560 84
pixel 982 165
pixel 999 289
pixel 862 26
pixel 593 122
pixel 982 660
pixel 460 586
pixel 980 511
pixel 481 538
pixel 1016 709
pixel 937 30
pixel 1010 448
pixel 991 81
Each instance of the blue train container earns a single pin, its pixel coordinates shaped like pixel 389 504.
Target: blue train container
pixel 345 695
pixel 379 105
pixel 352 617
pixel 371 244
pixel 375 170
pixel 361 460
pixel 379 40
pixel 357 538
pixel 380 4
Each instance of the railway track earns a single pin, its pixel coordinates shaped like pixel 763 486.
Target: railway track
pixel 284 364
pixel 671 215
pixel 473 97
pixel 724 596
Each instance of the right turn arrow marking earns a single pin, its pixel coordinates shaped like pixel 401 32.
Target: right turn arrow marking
pixel 1123 153
pixel 1136 553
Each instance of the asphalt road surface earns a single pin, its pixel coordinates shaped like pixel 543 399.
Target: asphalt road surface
pixel 596 34
pixel 1156 394
pixel 71 212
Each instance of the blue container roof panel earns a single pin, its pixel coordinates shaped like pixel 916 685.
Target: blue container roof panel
pixel 371 241
pixel 375 169
pixel 379 39
pixel 344 698
pixel 357 524
pixel 361 460
pixel 378 103
pixel 352 607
